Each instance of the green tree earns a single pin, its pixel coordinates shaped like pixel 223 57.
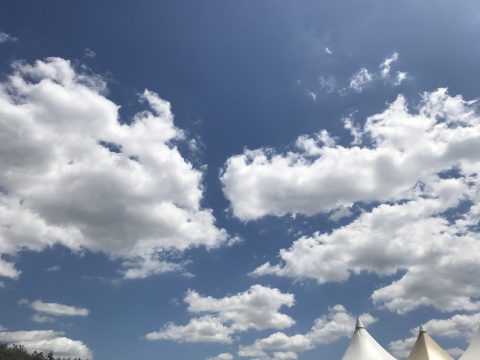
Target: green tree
pixel 18 352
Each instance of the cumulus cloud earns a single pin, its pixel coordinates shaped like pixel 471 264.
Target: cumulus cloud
pixel 73 174
pixel 422 166
pixel 326 329
pixel 4 38
pixel 407 148
pixel 257 308
pixel 46 341
pixel 206 329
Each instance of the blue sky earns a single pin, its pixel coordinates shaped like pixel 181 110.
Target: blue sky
pixel 238 179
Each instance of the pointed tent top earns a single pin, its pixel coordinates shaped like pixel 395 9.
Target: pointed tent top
pixel 426 348
pixel 364 347
pixel 359 324
pixel 473 350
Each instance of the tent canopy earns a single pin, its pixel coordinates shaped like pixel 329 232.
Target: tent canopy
pixel 473 351
pixel 364 347
pixel 426 348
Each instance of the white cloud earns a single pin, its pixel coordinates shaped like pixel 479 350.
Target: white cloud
pixel 401 348
pixel 354 129
pixel 58 309
pixel 276 341
pixel 53 268
pixel 222 356
pixel 385 241
pixel 8 270
pixel 360 80
pixel 257 308
pixel 206 329
pixel 340 213
pixel 459 326
pixel 326 329
pixel 46 341
pixel 386 65
pixel 89 53
pixel 422 164
pixel 399 78
pixel 38 318
pixel 336 324
pixel 407 148
pixel 148 265
pixel 4 37
pixel 328 83
pixel 74 175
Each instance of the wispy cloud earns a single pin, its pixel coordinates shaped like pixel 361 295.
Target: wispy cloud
pixel 4 38
pixel 364 77
pixel 49 312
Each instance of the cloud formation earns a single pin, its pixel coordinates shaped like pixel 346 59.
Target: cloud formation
pixel 4 38
pixel 56 309
pixel 421 166
pixel 74 174
pixel 361 79
pixel 46 341
pixel 326 329
pixel 257 308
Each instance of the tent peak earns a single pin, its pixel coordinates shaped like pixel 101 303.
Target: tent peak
pixel 359 324
pixel 421 329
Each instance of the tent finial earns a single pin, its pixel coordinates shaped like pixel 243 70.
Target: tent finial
pixel 359 324
pixel 421 330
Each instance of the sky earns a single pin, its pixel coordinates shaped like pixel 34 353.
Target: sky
pixel 222 180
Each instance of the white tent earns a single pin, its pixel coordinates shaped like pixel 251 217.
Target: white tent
pixel 473 351
pixel 364 347
pixel 426 348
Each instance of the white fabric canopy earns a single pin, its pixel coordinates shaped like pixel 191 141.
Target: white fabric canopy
pixel 426 348
pixel 473 351
pixel 364 347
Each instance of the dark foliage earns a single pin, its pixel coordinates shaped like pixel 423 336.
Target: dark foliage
pixel 16 352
